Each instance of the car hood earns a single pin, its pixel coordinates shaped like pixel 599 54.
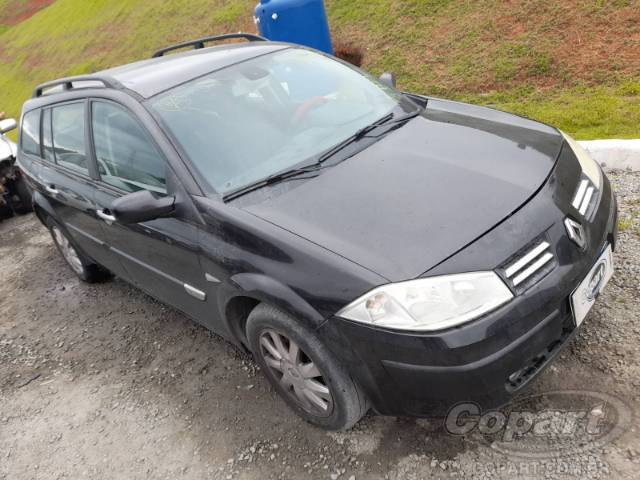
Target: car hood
pixel 422 192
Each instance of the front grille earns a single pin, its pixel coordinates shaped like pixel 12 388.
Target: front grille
pixel 584 198
pixel 529 265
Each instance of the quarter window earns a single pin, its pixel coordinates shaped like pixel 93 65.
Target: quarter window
pixel 126 156
pixel 68 137
pixel 30 142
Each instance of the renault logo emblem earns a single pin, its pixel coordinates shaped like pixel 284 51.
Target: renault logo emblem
pixel 575 232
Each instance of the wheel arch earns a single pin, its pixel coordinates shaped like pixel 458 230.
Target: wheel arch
pixel 253 289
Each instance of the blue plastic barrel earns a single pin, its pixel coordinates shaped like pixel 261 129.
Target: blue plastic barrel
pixel 295 21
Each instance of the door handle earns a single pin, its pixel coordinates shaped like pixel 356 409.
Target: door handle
pixel 107 217
pixel 52 189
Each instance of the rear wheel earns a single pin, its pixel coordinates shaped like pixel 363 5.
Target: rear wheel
pixel 83 267
pixel 303 371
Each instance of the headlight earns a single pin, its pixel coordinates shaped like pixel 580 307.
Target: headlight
pixel 590 167
pixel 430 303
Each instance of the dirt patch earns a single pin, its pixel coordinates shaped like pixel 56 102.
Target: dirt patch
pixel 348 52
pixel 493 46
pixel 16 11
pixel 582 43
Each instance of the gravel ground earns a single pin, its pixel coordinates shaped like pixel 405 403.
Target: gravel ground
pixel 100 381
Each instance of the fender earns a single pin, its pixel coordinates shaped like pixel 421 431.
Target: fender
pixel 267 289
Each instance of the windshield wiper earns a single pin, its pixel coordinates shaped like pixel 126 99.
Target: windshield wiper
pixel 406 116
pixel 353 138
pixel 372 126
pixel 270 180
pixel 389 119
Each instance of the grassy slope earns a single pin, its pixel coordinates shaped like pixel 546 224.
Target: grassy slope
pixel 575 64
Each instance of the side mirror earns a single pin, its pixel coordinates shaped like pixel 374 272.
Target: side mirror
pixel 141 206
pixel 389 79
pixel 7 125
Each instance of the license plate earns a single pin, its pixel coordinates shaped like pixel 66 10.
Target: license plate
pixel 585 295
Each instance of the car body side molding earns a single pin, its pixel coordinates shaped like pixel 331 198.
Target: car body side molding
pixel 88 235
pixel 148 267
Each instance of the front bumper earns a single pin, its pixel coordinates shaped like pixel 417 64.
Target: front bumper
pixel 487 360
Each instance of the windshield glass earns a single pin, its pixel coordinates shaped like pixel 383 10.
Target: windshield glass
pixel 269 114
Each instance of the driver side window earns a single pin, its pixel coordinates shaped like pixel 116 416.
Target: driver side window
pixel 125 155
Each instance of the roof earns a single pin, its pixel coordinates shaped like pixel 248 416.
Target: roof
pixel 150 77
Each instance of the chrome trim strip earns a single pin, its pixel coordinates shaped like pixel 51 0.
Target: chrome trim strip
pixel 194 292
pixel 586 201
pixel 146 265
pixel 578 197
pixel 532 269
pixel 210 278
pixel 511 270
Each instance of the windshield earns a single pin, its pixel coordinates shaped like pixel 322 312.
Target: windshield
pixel 269 114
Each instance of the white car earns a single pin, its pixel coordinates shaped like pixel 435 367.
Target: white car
pixel 15 195
pixel 7 147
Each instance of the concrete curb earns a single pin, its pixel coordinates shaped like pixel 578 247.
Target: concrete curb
pixel 615 154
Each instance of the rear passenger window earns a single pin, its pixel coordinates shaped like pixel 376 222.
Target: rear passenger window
pixel 126 156
pixel 47 144
pixel 30 137
pixel 68 137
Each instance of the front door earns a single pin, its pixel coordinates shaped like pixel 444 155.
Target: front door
pixel 161 255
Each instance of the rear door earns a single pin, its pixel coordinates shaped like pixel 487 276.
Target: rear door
pixel 66 179
pixel 160 255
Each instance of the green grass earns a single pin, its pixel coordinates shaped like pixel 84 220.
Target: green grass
pixel 75 37
pixel 228 13
pixel 587 112
pixel 629 225
pixel 510 55
pixel 630 221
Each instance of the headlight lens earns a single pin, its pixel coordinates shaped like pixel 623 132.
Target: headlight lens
pixel 590 167
pixel 429 304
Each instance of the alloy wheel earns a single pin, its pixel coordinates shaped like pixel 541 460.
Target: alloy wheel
pixel 297 374
pixel 68 252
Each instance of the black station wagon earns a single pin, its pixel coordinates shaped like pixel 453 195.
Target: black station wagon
pixel 371 248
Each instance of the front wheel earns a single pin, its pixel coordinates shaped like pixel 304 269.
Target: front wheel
pixel 303 371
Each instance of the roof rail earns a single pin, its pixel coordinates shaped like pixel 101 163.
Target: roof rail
pixel 199 43
pixel 67 83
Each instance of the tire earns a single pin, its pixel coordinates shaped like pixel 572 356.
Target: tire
pixel 24 193
pixel 312 383
pixel 80 264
